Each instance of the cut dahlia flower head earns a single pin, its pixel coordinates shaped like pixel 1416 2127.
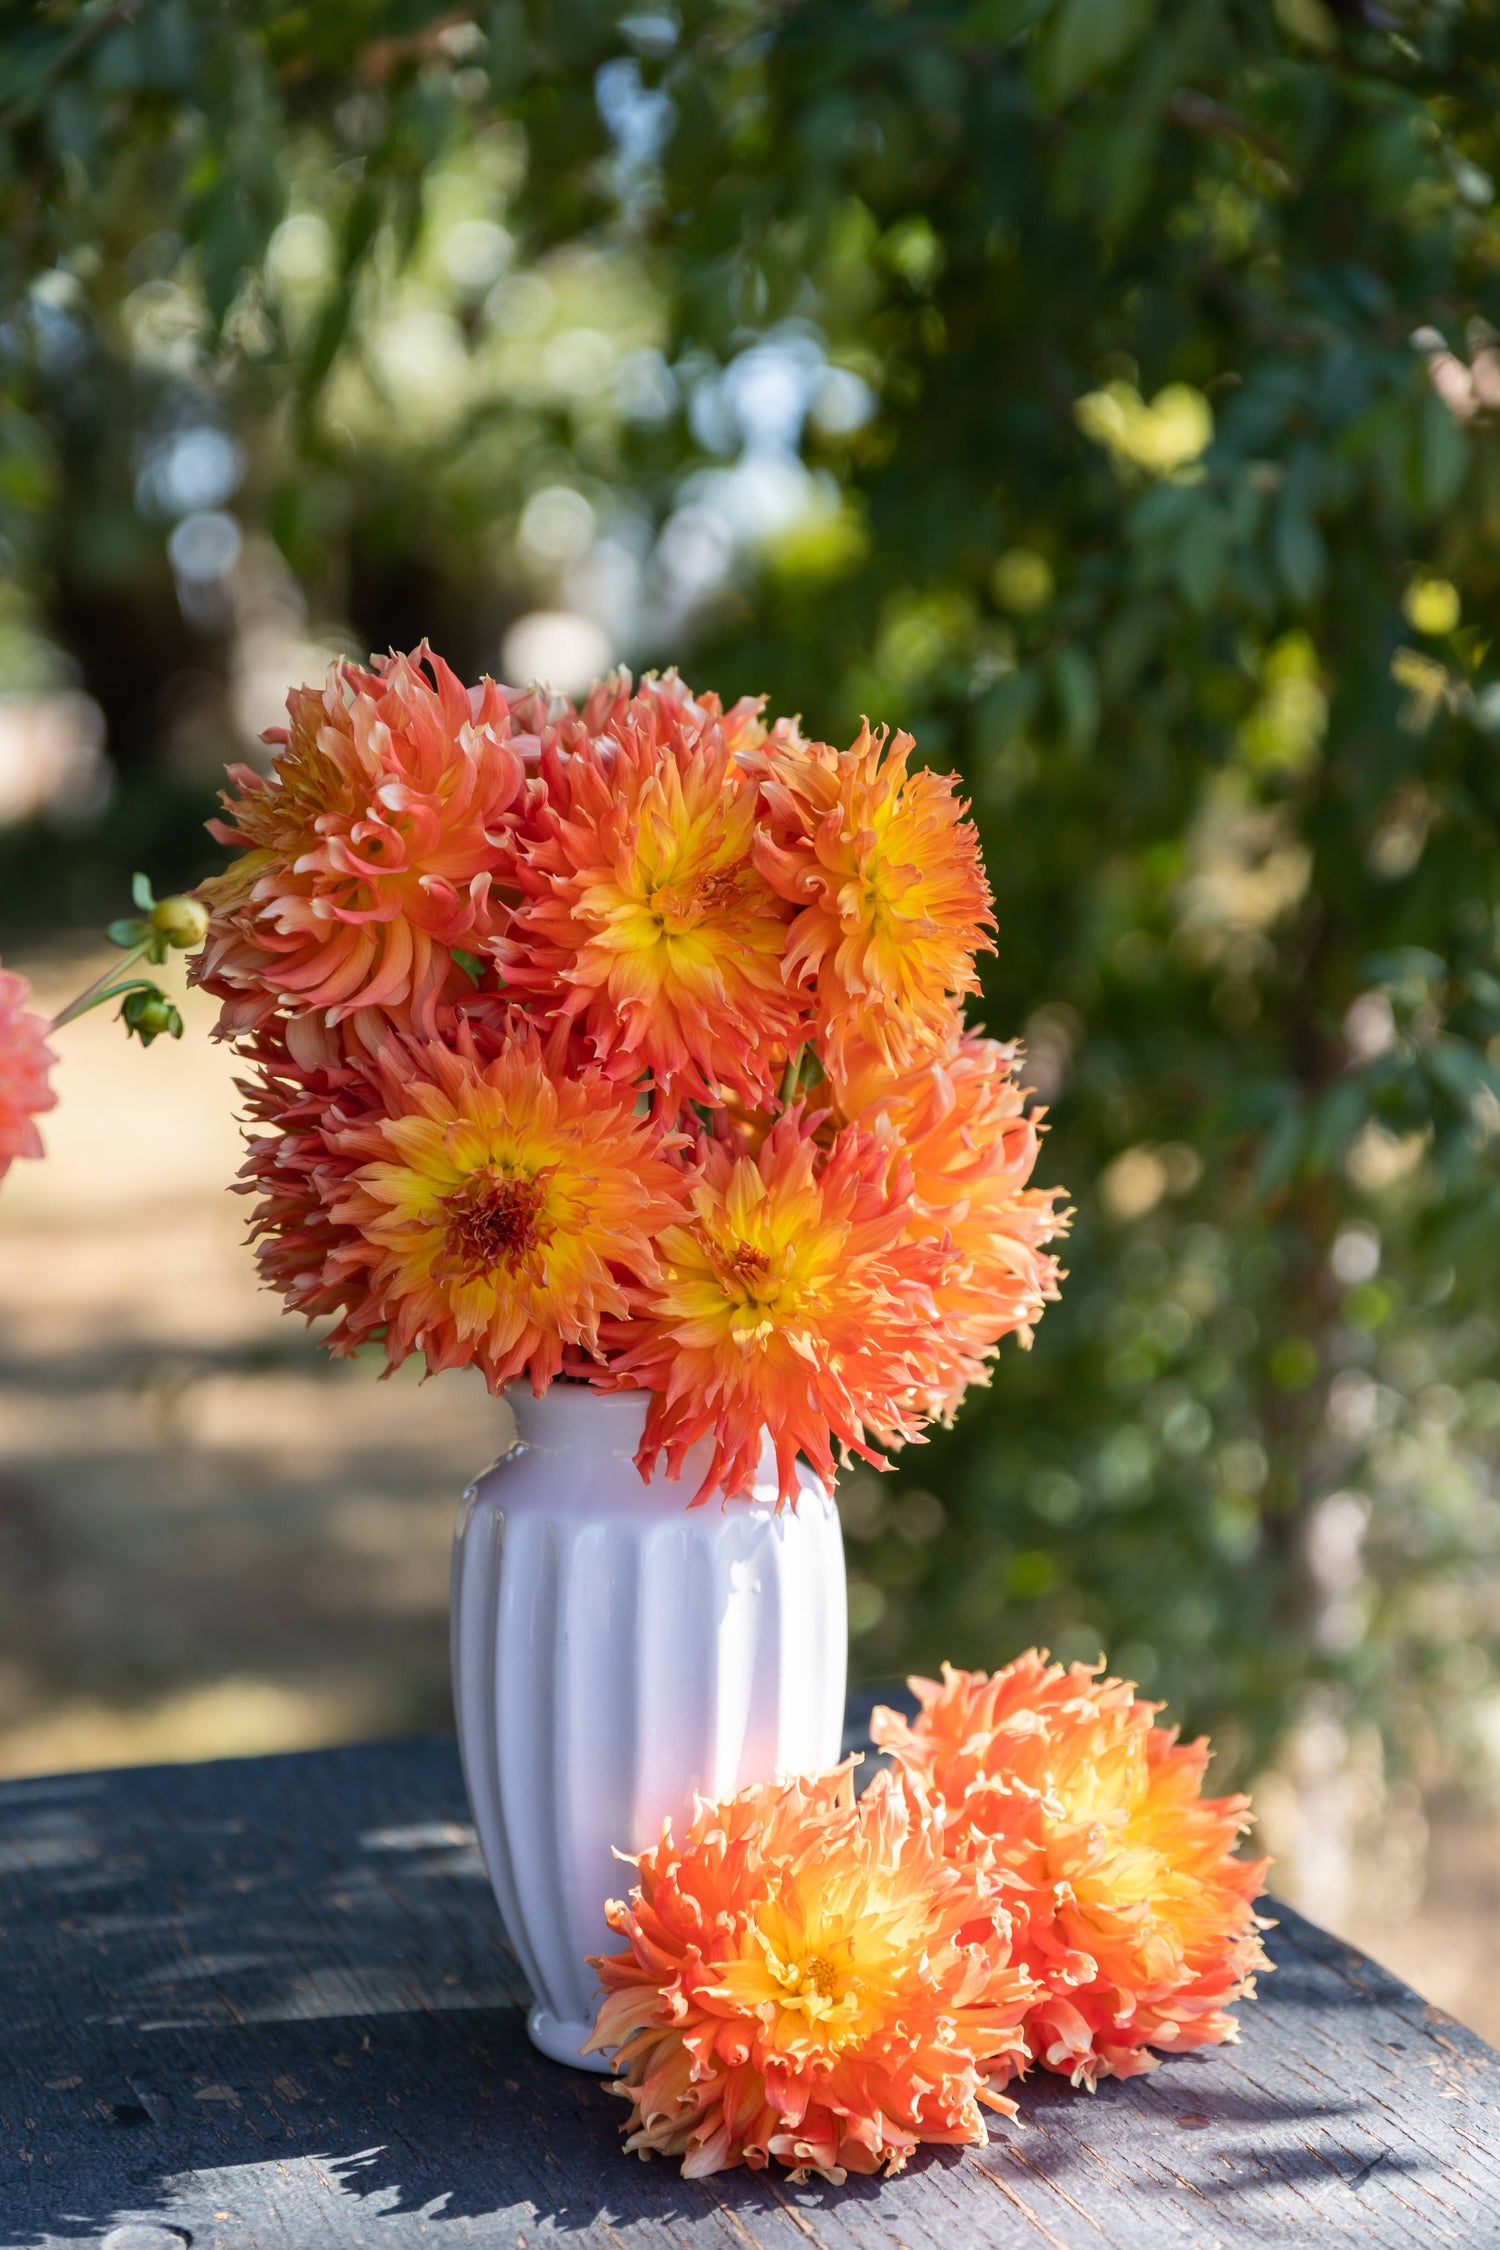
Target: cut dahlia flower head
pixel 806 1977
pixel 622 1041
pixel 829 1982
pixel 1129 1908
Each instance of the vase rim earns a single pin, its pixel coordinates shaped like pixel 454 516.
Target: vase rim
pixel 615 1418
pixel 564 1393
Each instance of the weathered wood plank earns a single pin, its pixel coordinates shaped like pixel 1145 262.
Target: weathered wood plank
pixel 265 2005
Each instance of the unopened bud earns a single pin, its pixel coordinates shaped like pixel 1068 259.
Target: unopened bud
pixel 181 920
pixel 149 1013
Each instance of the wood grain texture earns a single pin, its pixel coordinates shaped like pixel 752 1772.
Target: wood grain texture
pixel 266 2005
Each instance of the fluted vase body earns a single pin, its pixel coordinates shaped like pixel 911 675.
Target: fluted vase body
pixel 615 1651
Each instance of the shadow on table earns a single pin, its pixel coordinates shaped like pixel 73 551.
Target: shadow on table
pixel 234 1992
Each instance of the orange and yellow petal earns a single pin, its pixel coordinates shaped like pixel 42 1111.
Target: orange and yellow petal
pixel 791 1303
pixel 1129 1905
pixel 644 919
pixel 369 849
pixel 884 871
pixel 296 1106
pixel 674 708
pixel 465 1203
pixel 962 1129
pixel 807 1977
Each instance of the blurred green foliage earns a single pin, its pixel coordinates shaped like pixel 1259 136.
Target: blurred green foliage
pixel 1106 392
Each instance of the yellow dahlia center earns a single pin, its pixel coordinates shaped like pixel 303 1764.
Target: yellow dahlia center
pixel 684 899
pixel 769 1270
pixel 680 881
pixel 812 1987
pixel 762 1290
pixel 496 1219
pixel 309 789
pixel 888 886
pixel 747 1269
pixel 816 1975
pixel 832 1957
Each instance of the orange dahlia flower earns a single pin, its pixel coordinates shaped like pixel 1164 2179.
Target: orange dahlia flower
pixel 806 1978
pixel 25 1060
pixel 1129 1906
pixel 369 849
pixel 790 1300
pixel 498 1210
pixel 673 705
pixel 963 1131
pixel 298 1171
pixel 644 920
pixel 892 902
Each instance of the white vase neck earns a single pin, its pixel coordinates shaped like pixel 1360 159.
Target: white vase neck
pixel 574 1414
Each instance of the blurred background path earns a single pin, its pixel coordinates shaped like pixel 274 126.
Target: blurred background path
pixel 212 1538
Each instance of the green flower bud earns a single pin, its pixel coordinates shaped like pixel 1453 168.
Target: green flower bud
pixel 181 920
pixel 148 1013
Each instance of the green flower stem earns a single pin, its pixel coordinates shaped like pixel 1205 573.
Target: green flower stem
pixel 103 987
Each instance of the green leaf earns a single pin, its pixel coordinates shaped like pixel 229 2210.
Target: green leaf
pixel 1404 964
pixel 1301 556
pixel 1461 1070
pixel 1308 21
pixel 1202 554
pixel 1076 686
pixel 126 934
pixel 1442 452
pixel 1087 38
pixel 361 221
pixel 1335 1121
pixel 140 891
pixel 1281 1151
pixel 1002 20
pixel 1005 708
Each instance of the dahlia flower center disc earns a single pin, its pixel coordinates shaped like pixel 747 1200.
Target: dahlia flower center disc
pixel 686 897
pixel 823 1992
pixel 688 919
pixel 494 1219
pixel 826 1978
pixel 816 1975
pixel 747 1267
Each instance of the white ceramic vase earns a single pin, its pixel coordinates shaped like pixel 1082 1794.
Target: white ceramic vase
pixel 613 1653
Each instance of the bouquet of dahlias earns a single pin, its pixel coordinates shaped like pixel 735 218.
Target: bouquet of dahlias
pixel 623 1042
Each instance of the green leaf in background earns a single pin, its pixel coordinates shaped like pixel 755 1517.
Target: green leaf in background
pixel 1076 686
pixel 1087 37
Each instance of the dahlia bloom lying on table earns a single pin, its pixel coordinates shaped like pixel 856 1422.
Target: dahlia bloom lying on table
pixel 831 1981
pixel 624 1042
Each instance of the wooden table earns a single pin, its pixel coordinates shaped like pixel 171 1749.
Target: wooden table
pixel 266 2005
